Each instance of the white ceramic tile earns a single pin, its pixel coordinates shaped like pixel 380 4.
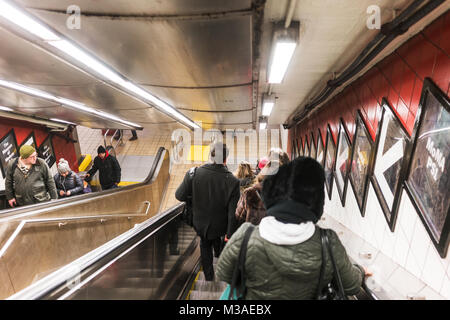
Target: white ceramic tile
pixel 420 244
pixel 433 272
pixel 445 291
pixel 401 248
pixel 407 216
pixel 405 283
pixel 430 294
pixel 389 240
pixel 412 265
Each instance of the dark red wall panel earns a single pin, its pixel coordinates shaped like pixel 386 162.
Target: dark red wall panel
pixel 398 78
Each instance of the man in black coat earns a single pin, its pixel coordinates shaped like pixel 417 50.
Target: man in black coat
pixel 108 167
pixel 215 194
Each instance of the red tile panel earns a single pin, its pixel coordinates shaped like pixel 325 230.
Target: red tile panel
pixel 415 98
pixel 441 71
pixel 398 78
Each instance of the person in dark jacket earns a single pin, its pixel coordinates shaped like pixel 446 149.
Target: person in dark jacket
pixel 284 253
pixel 108 167
pixel 215 193
pixel 68 183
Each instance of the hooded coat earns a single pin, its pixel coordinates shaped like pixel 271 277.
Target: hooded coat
pixel 284 252
pixel 109 170
pixel 283 261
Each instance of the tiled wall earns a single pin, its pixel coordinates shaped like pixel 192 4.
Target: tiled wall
pixel 407 262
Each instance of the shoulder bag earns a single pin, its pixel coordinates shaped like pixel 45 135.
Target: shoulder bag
pixel 237 289
pixel 188 215
pixel 333 290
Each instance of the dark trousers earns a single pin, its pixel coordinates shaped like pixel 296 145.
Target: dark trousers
pixel 109 187
pixel 206 252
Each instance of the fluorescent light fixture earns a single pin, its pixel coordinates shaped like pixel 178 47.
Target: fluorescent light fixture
pixel 3 108
pixel 268 104
pixel 25 89
pixel 63 121
pixel 284 44
pixel 262 125
pixel 66 102
pixel 86 59
pixel 281 58
pixel 26 22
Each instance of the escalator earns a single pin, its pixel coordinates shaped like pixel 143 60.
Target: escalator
pixel 156 260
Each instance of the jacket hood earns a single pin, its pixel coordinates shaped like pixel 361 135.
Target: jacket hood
pixel 286 247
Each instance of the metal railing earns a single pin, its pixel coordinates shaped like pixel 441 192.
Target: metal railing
pixel 64 220
pixel 69 278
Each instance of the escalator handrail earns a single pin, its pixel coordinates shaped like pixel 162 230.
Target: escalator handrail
pixel 63 220
pixel 63 275
pixel 25 211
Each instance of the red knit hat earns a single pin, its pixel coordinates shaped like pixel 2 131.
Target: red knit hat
pixel 262 162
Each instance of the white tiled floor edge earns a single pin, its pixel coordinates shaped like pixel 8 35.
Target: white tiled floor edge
pixel 405 262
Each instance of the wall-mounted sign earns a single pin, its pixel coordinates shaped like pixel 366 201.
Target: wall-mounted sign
pixel 30 141
pixel 428 182
pixel 342 162
pixel 8 150
pixel 46 152
pixel 312 148
pixel 361 162
pixel 320 149
pixel 390 164
pixel 330 156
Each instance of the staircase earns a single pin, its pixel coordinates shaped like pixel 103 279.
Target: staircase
pixel 206 290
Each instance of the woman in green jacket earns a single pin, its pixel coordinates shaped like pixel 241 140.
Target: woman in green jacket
pixel 284 253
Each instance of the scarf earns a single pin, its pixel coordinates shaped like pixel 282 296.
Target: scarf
pixel 290 211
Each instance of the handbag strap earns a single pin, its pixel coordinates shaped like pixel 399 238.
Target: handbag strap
pixel 238 280
pixel 324 262
pixel 337 275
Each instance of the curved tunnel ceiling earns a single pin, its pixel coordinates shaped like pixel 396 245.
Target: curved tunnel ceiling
pixel 206 58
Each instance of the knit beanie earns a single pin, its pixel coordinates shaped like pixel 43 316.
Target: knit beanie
pixel 63 166
pixel 26 151
pixel 101 149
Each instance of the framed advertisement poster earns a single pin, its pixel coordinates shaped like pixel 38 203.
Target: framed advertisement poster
pixel 46 152
pixel 30 140
pixel 428 178
pixel 8 150
pixel 313 144
pixel 342 162
pixel 391 163
pixel 306 148
pixel 320 149
pixel 361 160
pixel 330 157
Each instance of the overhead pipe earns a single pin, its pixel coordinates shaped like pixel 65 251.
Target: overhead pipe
pixel 290 13
pixel 390 31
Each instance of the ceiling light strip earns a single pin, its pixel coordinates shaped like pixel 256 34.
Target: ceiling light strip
pixel 66 102
pixel 31 24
